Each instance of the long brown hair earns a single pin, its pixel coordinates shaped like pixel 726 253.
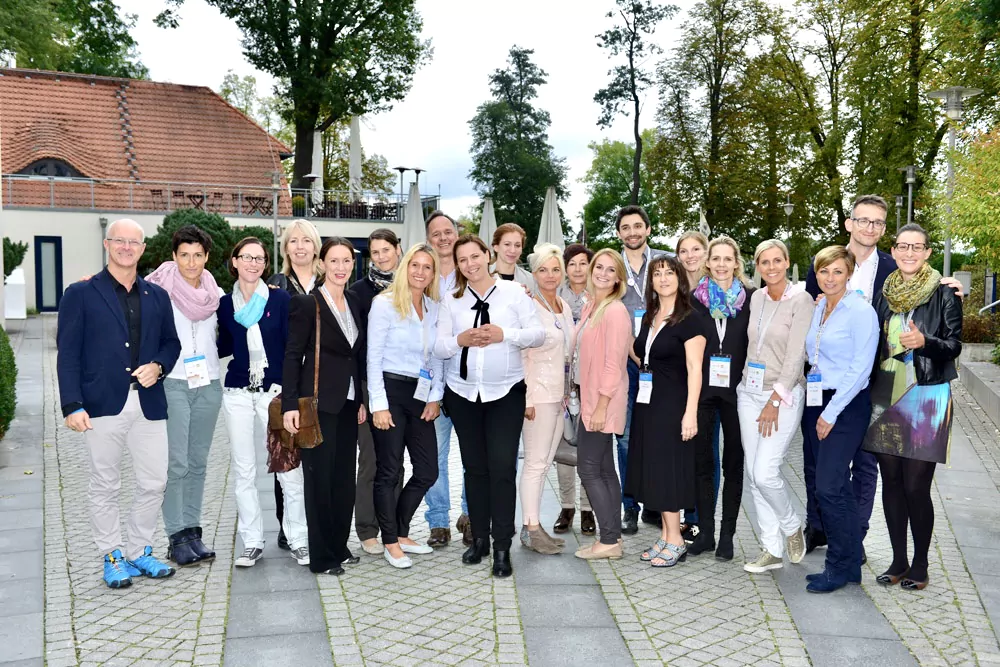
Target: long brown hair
pixel 682 302
pixel 461 282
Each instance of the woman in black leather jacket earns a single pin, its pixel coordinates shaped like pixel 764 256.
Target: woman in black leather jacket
pixel 920 341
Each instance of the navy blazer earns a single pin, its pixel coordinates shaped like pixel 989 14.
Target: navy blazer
pixel 93 355
pixel 886 265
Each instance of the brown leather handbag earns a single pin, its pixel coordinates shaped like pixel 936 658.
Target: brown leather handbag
pixel 309 434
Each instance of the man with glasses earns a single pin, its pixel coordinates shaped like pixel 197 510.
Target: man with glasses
pixel 116 339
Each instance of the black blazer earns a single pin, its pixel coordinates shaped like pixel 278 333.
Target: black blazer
pixel 886 265
pixel 940 320
pixel 338 361
pixel 734 345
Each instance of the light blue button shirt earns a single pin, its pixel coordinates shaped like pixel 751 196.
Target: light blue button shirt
pixel 401 346
pixel 847 349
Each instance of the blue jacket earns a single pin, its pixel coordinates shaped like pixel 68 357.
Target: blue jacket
pixel 92 342
pixel 886 265
pixel 233 339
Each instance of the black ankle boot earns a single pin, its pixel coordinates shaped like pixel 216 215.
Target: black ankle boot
pixel 474 554
pixel 703 542
pixel 501 564
pixel 180 550
pixel 725 549
pixel 204 553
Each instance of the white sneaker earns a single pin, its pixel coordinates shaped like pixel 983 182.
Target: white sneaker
pixel 398 563
pixel 249 557
pixel 301 555
pixel 415 548
pixel 765 561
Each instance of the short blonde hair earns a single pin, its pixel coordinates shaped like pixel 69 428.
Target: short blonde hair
pixel 831 254
pixel 617 293
pixel 398 291
pixel 543 253
pixel 307 229
pixel 764 246
pixel 738 270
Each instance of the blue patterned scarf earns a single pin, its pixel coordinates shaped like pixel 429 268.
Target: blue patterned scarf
pixel 721 303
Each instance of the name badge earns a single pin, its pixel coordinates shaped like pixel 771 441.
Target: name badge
pixel 196 371
pixel 423 390
pixel 637 321
pixel 645 388
pixel 755 377
pixel 911 371
pixel 719 372
pixel 814 390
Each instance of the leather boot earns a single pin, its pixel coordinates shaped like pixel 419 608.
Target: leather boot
pixel 726 533
pixel 180 550
pixel 204 553
pixel 588 526
pixel 501 564
pixel 474 554
pixel 565 520
pixel 705 540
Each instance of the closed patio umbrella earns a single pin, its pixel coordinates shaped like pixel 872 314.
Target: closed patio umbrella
pixel 488 225
pixel 550 230
pixel 354 161
pixel 413 220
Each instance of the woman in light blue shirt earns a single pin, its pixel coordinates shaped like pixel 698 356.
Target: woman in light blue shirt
pixel 840 349
pixel 405 388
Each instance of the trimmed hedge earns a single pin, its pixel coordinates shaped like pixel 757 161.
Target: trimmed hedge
pixel 8 381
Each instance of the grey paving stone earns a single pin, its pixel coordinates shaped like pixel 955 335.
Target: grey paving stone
pixel 17 519
pixel 31 662
pixel 307 648
pixel 19 500
pixel 548 606
pixel 21 565
pixel 831 651
pixel 269 614
pixel 272 575
pixel 534 568
pixel 24 484
pixel 21 637
pixel 21 596
pixel 20 539
pixel 554 647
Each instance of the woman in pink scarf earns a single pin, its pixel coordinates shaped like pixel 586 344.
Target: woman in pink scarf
pixel 194 393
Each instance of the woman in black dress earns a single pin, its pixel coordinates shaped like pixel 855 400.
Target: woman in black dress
pixel 671 345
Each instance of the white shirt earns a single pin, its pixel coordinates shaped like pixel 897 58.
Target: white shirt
pixel 446 285
pixel 197 338
pixel 493 369
pixel 863 278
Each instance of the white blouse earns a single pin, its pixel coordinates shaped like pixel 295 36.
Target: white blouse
pixel 545 366
pixel 494 369
pixel 197 338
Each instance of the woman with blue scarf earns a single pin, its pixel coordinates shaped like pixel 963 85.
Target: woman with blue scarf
pixel 253 328
pixel 723 301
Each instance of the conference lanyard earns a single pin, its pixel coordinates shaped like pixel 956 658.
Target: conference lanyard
pixel 633 278
pixel 559 325
pixel 762 328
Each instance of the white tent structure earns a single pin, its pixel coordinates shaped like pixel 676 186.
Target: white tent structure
pixel 550 230
pixel 354 161
pixel 413 220
pixel 488 225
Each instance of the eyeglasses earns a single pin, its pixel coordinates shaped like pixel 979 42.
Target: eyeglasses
pixel 867 222
pixel 915 247
pixel 250 259
pixel 118 241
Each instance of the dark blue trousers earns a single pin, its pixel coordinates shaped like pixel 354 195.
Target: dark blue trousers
pixel 835 500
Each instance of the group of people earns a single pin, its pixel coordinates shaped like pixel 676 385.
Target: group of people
pixel 673 359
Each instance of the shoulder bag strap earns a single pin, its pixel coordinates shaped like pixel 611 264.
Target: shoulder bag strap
pixel 316 358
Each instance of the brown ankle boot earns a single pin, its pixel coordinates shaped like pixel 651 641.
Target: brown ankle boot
pixel 565 520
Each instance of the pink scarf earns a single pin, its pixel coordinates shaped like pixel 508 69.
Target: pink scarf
pixel 196 304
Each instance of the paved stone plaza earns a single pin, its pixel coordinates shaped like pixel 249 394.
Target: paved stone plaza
pixel 555 610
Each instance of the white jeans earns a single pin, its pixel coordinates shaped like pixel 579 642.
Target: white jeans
pixel 246 421
pixel 771 496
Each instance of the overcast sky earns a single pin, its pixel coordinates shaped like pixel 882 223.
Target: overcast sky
pixel 429 129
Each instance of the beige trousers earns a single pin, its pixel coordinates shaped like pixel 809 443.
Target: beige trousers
pixel 567 488
pixel 147 444
pixel 541 438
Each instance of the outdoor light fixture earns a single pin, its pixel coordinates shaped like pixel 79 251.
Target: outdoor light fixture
pixel 417 170
pixel 911 179
pixel 899 207
pixel 788 206
pixel 953 102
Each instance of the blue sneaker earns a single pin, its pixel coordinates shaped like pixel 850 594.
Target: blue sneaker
pixel 115 575
pixel 148 565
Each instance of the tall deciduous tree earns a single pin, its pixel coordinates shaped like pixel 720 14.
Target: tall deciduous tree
pixel 976 207
pixel 333 59
pixel 629 39
pixel 512 159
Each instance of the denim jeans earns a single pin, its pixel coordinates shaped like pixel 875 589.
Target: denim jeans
pixel 438 499
pixel 622 440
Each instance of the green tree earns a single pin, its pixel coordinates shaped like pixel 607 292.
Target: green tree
pixel 976 209
pixel 241 92
pixel 13 255
pixel 629 39
pixel 333 59
pixel 512 159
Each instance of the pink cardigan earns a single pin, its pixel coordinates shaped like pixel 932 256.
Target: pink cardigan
pixel 603 359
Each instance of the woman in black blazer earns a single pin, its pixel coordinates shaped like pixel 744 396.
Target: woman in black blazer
pixel 329 469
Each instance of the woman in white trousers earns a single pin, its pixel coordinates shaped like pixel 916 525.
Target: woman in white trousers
pixel 770 400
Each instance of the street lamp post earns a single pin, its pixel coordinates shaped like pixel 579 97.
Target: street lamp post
pixel 275 184
pixel 789 207
pixel 899 207
pixel 911 179
pixel 953 98
pixel 399 208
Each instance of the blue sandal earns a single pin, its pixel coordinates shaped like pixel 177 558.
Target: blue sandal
pixel 653 551
pixel 670 556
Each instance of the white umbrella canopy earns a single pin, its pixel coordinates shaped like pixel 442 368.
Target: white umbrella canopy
pixel 413 220
pixel 488 224
pixel 550 230
pixel 354 161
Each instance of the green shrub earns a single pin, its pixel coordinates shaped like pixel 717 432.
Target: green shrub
pixel 13 255
pixel 8 380
pixel 996 354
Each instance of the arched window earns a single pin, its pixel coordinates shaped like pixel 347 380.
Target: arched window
pixel 50 167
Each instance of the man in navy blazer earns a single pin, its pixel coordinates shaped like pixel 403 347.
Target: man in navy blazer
pixel 116 340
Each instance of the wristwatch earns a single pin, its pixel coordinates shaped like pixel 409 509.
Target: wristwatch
pixel 775 403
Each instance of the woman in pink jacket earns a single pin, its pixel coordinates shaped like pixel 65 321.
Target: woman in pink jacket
pixel 601 352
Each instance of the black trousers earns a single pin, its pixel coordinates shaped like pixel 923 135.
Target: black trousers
pixel 596 466
pixel 488 435
pixel 732 464
pixel 395 509
pixel 328 473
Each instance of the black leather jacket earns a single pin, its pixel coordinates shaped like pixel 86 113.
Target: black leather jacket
pixel 940 320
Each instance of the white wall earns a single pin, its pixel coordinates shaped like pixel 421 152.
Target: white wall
pixel 82 249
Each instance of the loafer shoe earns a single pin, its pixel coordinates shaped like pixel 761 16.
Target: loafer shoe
pixel 415 548
pixel 398 563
